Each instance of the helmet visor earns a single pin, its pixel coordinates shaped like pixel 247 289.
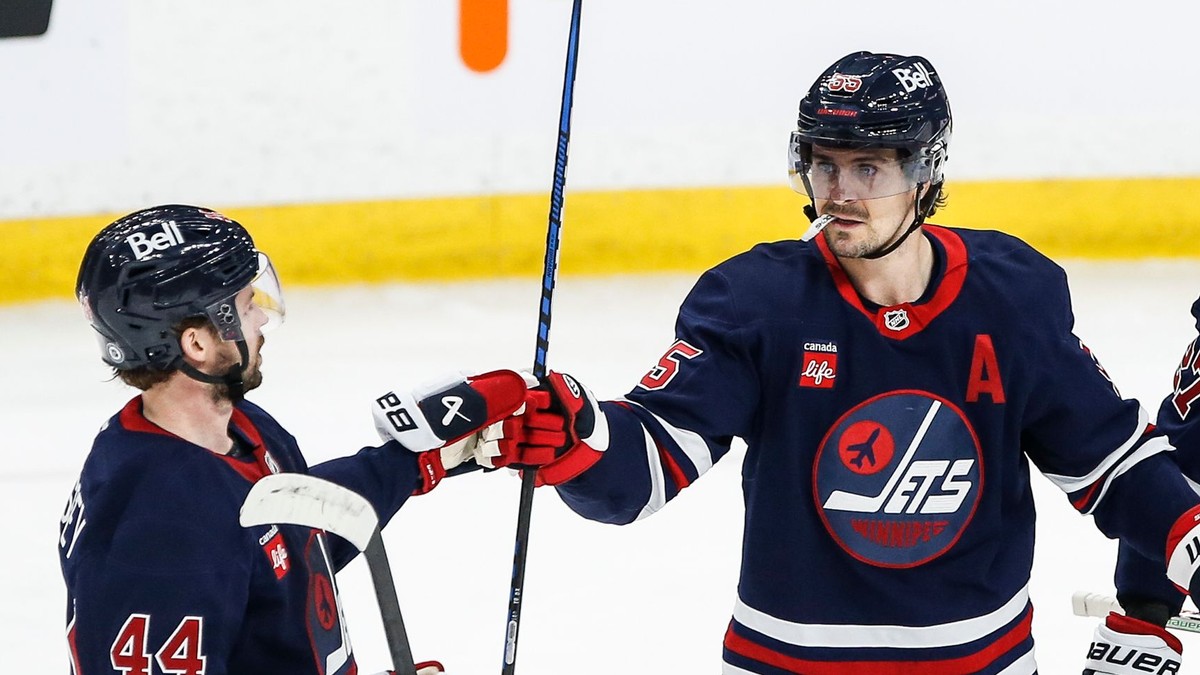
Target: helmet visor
pixel 266 295
pixel 853 174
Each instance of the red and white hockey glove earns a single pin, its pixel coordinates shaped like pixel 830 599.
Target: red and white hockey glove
pixel 442 420
pixel 560 434
pixel 1183 552
pixel 1123 645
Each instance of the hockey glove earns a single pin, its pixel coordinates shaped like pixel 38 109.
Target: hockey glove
pixel 442 421
pixel 1183 553
pixel 1123 645
pixel 561 432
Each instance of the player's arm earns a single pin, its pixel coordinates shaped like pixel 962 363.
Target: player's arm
pixel 618 461
pixel 1102 451
pixel 1142 588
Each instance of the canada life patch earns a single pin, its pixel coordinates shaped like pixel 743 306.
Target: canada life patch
pixel 819 367
pixel 898 478
pixel 277 553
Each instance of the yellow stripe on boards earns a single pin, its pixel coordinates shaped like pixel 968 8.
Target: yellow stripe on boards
pixel 619 231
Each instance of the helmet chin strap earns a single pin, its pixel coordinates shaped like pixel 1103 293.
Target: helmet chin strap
pixel 232 378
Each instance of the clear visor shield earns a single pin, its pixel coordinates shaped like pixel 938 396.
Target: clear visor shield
pixel 853 174
pixel 266 297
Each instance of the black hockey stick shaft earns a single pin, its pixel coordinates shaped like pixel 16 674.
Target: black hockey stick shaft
pixel 389 605
pixel 549 275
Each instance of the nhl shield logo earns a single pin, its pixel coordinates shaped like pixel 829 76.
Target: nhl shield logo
pixel 896 319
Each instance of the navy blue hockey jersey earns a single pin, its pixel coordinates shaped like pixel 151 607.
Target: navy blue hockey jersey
pixel 161 578
pixel 889 520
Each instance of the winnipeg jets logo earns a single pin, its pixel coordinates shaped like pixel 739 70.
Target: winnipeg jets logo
pixel 115 354
pixel 896 319
pixel 908 485
pixel 453 405
pixel 898 478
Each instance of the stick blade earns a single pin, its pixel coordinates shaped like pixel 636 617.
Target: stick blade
pixel 300 499
pixel 1095 605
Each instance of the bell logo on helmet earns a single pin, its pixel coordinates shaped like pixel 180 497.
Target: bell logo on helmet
pixel 914 78
pixel 144 245
pixel 849 83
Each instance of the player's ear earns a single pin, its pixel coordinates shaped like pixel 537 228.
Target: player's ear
pixel 198 344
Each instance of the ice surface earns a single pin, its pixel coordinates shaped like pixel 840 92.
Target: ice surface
pixel 653 597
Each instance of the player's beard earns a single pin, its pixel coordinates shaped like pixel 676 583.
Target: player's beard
pixel 844 246
pixel 251 374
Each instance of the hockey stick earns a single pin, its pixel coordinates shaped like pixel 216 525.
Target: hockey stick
pixel 549 273
pixel 300 499
pixel 1098 605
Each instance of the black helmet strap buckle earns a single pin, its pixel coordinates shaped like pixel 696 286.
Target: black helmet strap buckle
pixel 232 378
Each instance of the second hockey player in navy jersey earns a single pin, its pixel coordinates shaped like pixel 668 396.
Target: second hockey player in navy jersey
pixel 893 381
pixel 1148 597
pixel 160 576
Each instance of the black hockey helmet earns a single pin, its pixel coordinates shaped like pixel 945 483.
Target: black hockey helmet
pixel 883 100
pixel 145 273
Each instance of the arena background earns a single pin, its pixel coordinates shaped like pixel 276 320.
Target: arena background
pixel 387 140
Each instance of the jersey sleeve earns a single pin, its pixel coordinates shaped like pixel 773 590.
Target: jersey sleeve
pixel 385 475
pixel 681 417
pixel 1100 449
pixel 166 595
pixel 1179 414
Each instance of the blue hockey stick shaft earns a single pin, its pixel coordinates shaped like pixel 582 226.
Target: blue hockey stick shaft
pixel 549 274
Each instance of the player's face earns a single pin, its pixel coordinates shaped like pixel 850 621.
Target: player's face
pixel 253 319
pixel 870 193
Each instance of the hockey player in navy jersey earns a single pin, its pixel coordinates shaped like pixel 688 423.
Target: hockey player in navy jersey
pixel 892 380
pixel 160 576
pixel 1148 597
